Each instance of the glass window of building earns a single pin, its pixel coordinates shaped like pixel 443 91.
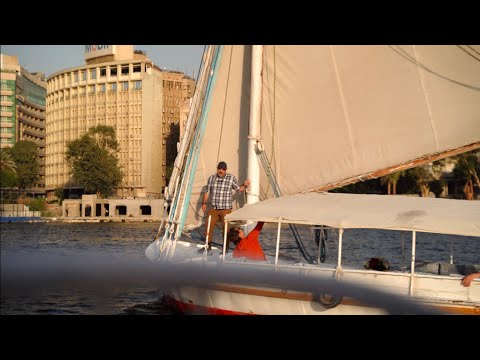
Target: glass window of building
pixel 76 76
pixel 113 71
pixel 125 70
pixel 102 88
pixel 137 85
pixel 84 75
pixel 113 86
pixel 125 86
pixel 137 68
pixel 103 71
pixel 93 73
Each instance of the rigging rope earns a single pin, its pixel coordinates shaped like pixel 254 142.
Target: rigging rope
pixel 175 210
pixel 277 192
pixel 183 195
pixel 199 137
pixel 413 60
pixel 321 241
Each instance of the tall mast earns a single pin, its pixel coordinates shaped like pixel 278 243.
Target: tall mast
pixel 253 170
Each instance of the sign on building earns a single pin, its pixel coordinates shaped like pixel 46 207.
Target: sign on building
pixel 93 51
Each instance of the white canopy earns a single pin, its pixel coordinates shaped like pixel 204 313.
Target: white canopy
pixel 397 212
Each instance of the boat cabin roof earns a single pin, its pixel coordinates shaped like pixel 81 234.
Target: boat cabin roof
pixel 348 211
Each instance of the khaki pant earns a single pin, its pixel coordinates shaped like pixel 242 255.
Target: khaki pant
pixel 217 215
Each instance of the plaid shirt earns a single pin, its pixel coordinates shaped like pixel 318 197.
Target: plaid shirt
pixel 220 190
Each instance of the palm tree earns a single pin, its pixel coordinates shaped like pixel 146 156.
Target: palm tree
pixel 468 168
pixel 423 175
pixel 391 181
pixel 6 162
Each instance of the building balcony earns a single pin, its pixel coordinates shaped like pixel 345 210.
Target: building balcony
pixel 6 113
pixel 35 133
pixel 33 113
pixel 6 103
pixel 32 104
pixel 36 141
pixel 32 122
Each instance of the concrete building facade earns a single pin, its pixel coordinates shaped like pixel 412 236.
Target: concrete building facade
pixel 90 206
pixel 120 87
pixel 23 111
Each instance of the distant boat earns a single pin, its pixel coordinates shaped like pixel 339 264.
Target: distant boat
pixel 301 120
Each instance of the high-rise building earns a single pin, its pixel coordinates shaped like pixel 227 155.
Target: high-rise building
pixel 23 97
pixel 122 88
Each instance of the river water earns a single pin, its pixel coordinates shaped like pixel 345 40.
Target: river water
pixel 126 242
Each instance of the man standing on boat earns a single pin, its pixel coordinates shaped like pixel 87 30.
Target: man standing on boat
pixel 219 191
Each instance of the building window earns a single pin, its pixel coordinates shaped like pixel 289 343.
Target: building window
pixel 102 88
pixel 113 71
pixel 93 73
pixel 137 68
pixel 125 70
pixel 113 86
pixel 84 75
pixel 137 85
pixel 125 86
pixel 103 72
pixel 76 76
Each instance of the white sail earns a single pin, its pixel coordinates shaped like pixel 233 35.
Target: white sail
pixel 226 134
pixel 332 113
pixel 344 111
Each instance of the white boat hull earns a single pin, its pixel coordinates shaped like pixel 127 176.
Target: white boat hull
pixel 233 299
pixel 443 293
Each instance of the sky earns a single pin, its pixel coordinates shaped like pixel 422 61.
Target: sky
pixel 49 59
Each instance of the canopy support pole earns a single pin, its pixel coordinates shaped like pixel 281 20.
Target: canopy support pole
pixel 224 241
pixel 277 248
pixel 412 264
pixel 451 251
pixel 338 271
